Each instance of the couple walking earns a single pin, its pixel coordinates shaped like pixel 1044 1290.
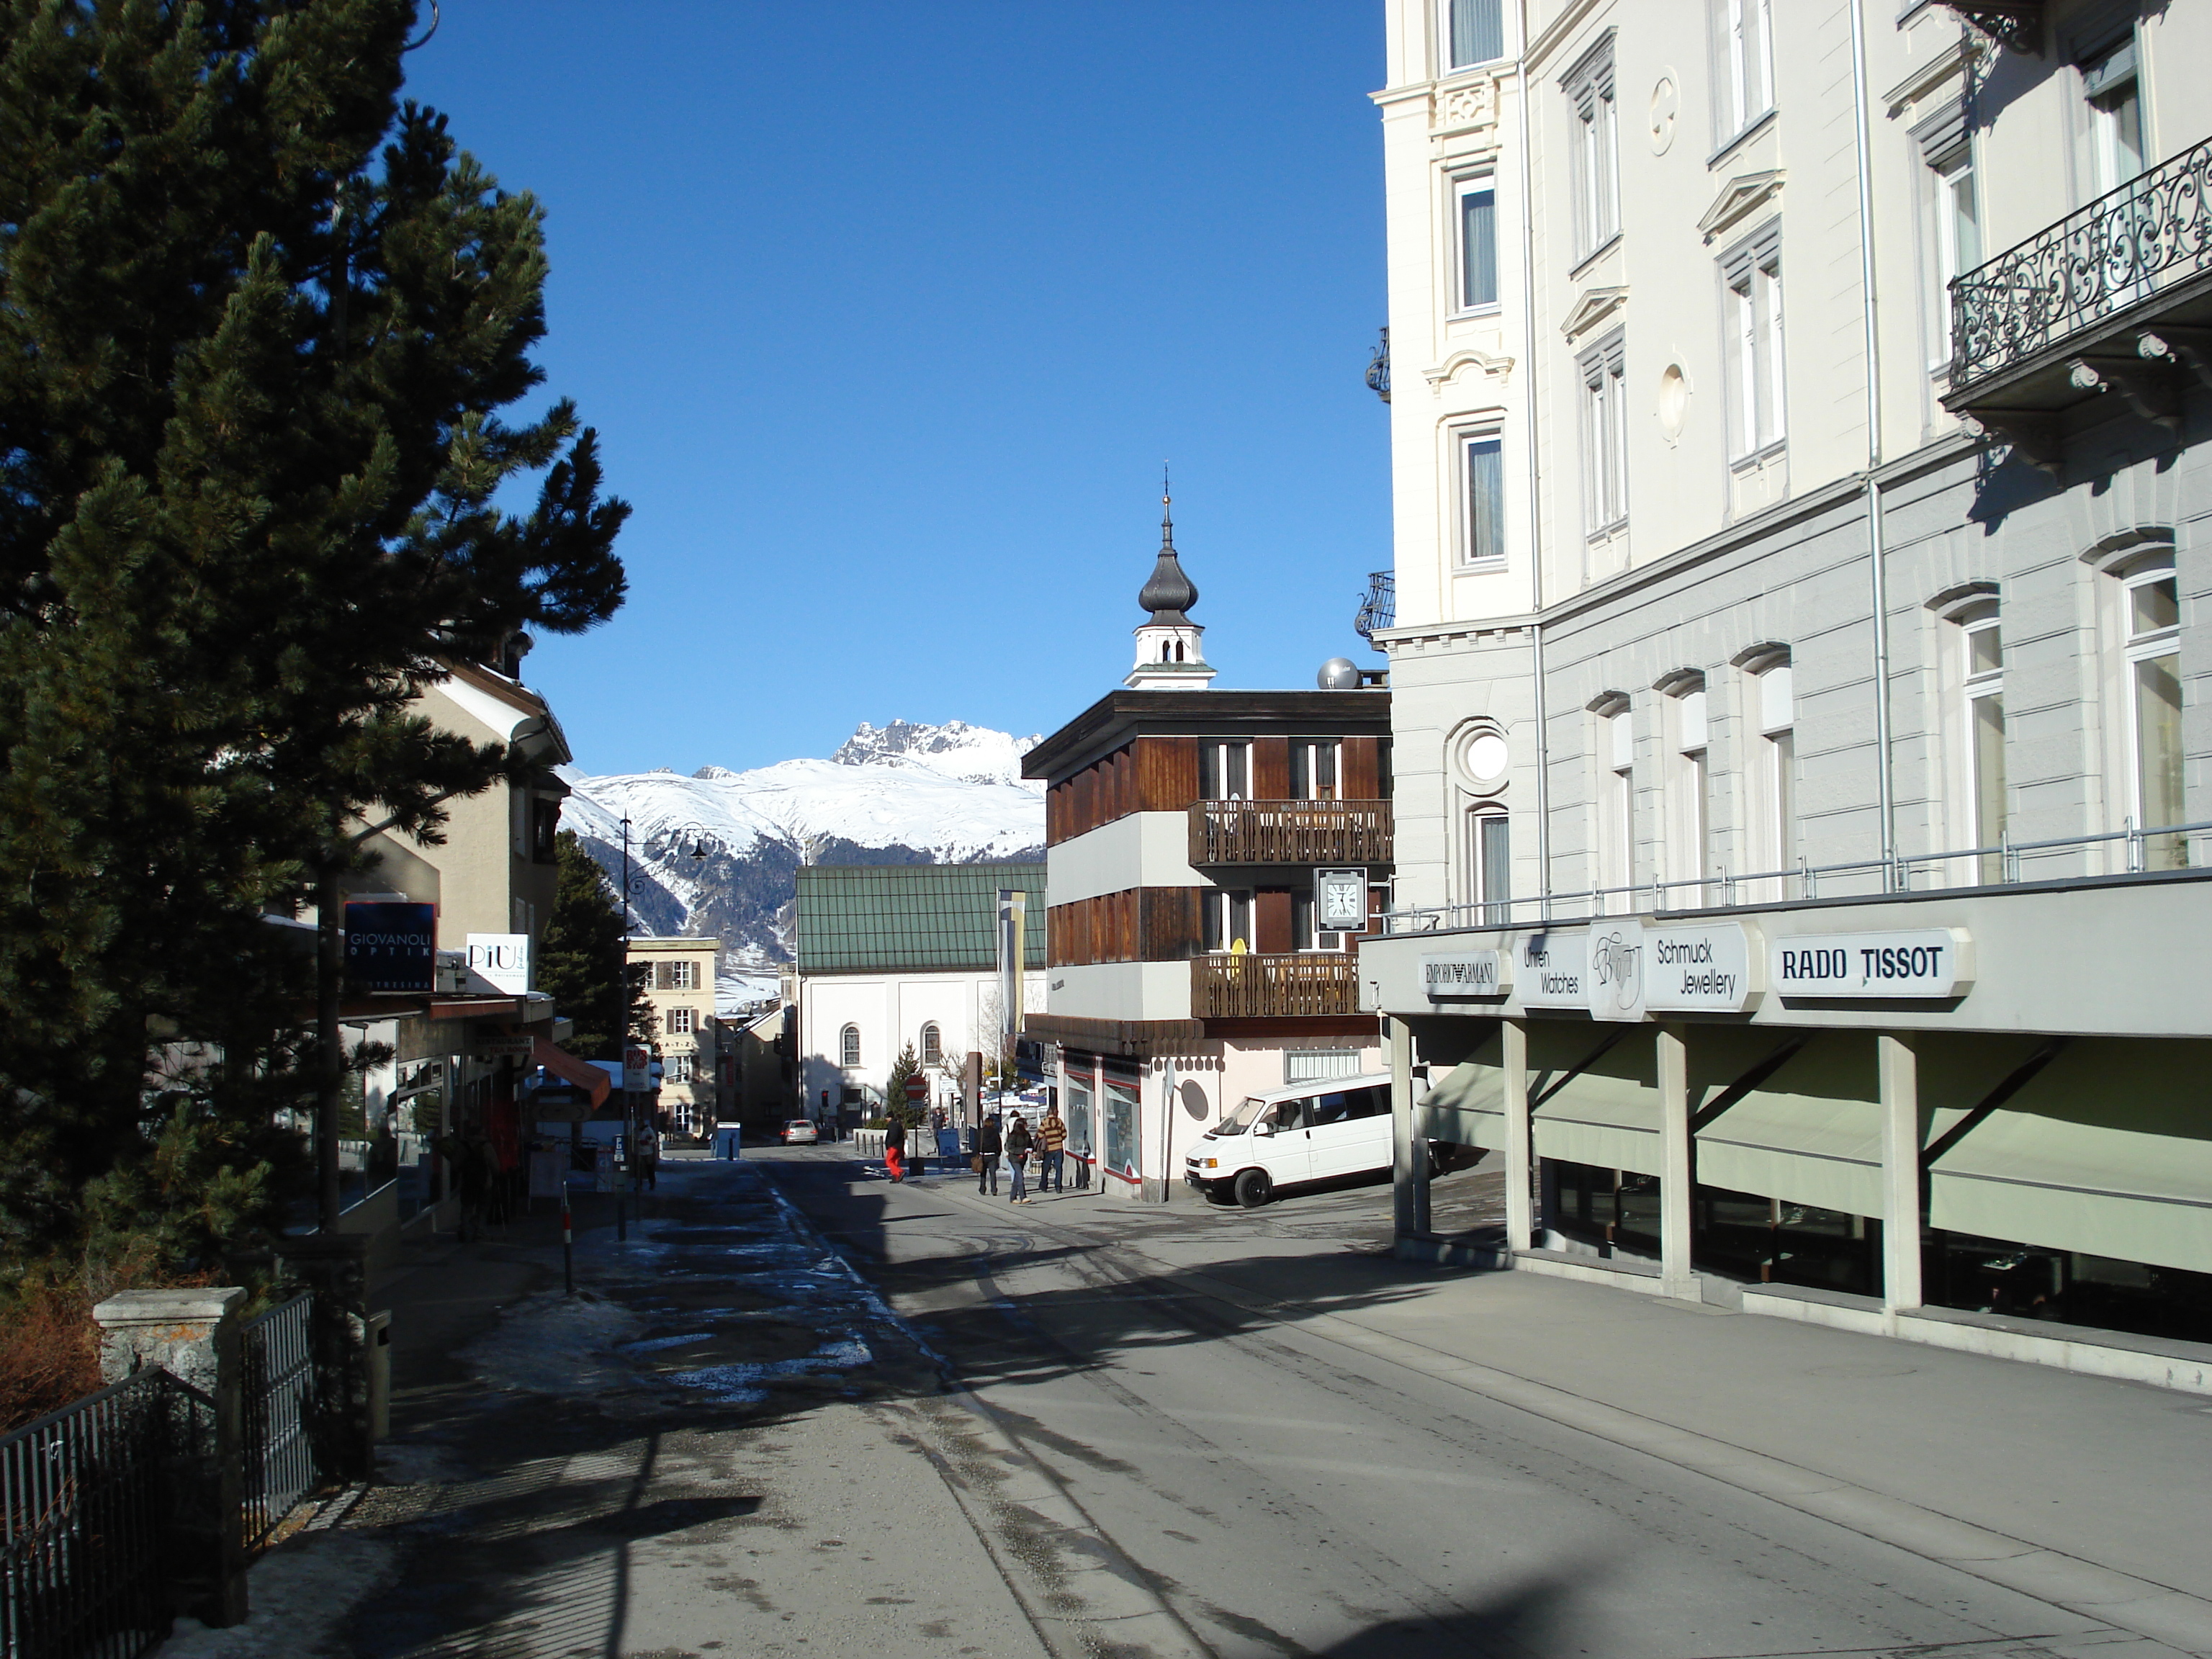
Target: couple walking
pixel 1015 1142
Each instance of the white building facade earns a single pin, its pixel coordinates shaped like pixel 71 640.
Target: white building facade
pixel 1810 626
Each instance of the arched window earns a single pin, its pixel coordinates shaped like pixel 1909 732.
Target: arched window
pixel 849 1047
pixel 932 1044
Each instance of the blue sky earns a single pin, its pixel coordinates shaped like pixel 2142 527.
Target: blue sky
pixel 887 317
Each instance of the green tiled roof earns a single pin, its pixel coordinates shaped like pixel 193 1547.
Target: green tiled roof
pixel 856 918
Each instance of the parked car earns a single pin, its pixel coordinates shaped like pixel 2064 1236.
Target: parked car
pixel 1305 1134
pixel 800 1131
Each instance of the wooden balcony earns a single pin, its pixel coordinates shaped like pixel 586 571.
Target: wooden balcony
pixel 1316 832
pixel 1308 985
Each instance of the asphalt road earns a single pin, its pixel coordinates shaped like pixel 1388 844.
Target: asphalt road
pixel 1227 1418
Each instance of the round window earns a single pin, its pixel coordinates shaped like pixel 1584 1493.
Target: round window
pixel 1486 755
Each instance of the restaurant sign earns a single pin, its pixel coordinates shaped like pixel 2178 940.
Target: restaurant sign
pixel 1923 964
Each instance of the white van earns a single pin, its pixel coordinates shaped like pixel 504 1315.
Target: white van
pixel 1288 1137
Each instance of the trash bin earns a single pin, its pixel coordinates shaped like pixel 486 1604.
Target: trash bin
pixel 379 1376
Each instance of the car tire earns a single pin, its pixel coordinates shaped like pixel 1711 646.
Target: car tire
pixel 1254 1188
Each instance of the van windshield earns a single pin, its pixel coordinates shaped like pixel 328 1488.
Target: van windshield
pixel 1242 1119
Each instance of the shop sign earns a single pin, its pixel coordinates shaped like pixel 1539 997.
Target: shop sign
pixel 1615 978
pixel 1465 973
pixel 1553 970
pixel 505 1049
pixel 1925 965
pixel 390 947
pixel 499 962
pixel 1708 969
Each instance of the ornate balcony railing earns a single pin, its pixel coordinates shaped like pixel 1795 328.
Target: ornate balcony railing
pixel 2123 248
pixel 1245 987
pixel 1290 832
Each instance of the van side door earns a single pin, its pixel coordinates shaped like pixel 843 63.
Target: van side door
pixel 1352 1131
pixel 1287 1155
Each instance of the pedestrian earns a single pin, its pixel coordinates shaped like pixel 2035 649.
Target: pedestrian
pixel 895 1148
pixel 1052 1139
pixel 473 1176
pixel 1018 1143
pixel 647 1155
pixel 986 1156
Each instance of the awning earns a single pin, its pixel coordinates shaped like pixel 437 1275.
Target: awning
pixel 2108 1150
pixel 1607 1113
pixel 1467 1105
pixel 592 1080
pixel 1810 1134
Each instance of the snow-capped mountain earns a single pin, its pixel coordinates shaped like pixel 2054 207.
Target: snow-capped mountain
pixel 715 853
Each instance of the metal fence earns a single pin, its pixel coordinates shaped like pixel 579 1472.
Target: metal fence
pixel 277 1357
pixel 81 1523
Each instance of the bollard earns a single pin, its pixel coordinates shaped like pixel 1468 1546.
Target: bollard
pixel 567 1249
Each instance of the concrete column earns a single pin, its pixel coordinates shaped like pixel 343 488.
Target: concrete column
pixel 1520 1160
pixel 334 1266
pixel 193 1336
pixel 1677 1277
pixel 1896 1071
pixel 1409 1166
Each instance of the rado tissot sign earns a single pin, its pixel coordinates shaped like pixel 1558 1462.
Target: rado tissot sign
pixel 1927 963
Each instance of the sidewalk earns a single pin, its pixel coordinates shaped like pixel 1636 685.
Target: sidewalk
pixel 709 1447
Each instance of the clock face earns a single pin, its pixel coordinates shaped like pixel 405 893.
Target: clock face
pixel 1343 902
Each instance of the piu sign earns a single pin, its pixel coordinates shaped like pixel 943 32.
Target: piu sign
pixel 1926 964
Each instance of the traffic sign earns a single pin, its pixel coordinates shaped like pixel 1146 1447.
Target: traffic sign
pixel 917 1089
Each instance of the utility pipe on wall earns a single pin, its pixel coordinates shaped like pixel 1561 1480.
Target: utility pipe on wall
pixel 1878 581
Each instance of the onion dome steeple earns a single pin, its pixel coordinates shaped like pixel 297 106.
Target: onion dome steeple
pixel 1168 654
pixel 1170 592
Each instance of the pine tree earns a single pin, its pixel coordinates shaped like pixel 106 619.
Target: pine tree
pixel 582 961
pixel 895 1102
pixel 258 322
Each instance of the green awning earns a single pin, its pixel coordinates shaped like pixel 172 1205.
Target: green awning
pixel 1467 1105
pixel 2107 1152
pixel 1608 1114
pixel 1811 1134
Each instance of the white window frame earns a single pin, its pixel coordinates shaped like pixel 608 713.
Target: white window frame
pixel 2111 88
pixel 931 1043
pixel 681 1068
pixel 1224 761
pixel 682 1022
pixel 1463 303
pixel 1775 696
pixel 1595 142
pixel 1482 537
pixel 1604 374
pixel 2142 646
pixel 1305 936
pixel 1743 66
pixel 1617 821
pixel 1947 246
pixel 1985 769
pixel 1226 917
pixel 1447 45
pixel 1489 855
pixel 848 1048
pixel 1311 757
pixel 1751 296
pixel 1691 787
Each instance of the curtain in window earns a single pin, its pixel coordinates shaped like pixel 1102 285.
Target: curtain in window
pixel 1478 242
pixel 1478 31
pixel 1485 500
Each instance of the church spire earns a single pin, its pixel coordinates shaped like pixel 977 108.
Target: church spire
pixel 1168 654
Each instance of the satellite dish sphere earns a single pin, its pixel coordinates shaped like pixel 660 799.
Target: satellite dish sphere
pixel 1338 674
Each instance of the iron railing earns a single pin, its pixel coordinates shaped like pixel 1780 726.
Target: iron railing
pixel 82 1508
pixel 2097 261
pixel 276 1358
pixel 1251 987
pixel 1290 832
pixel 2166 847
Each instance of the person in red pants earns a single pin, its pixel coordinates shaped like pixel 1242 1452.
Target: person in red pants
pixel 895 1150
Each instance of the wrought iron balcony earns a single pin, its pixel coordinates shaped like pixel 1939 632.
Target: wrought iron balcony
pixel 1290 832
pixel 2117 294
pixel 1305 985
